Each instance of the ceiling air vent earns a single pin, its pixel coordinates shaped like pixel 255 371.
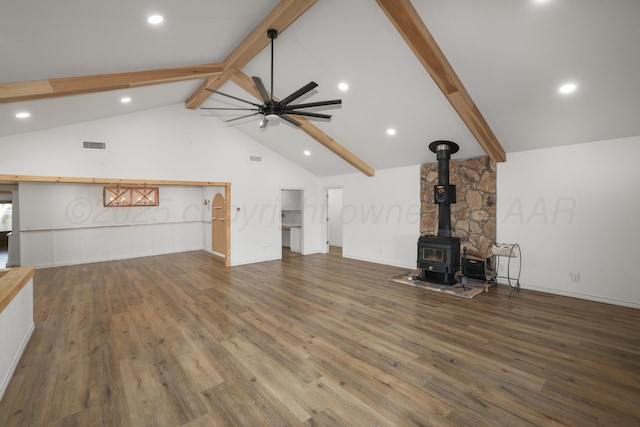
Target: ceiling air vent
pixel 90 145
pixel 255 158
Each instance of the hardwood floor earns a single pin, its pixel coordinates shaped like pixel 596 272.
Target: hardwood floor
pixel 180 340
pixel 335 250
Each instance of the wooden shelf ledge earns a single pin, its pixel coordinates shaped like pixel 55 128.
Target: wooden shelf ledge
pixel 289 227
pixel 12 280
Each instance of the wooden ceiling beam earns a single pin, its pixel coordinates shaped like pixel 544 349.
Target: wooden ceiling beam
pixel 22 91
pixel 246 83
pixel 283 15
pixel 415 33
pixel 334 146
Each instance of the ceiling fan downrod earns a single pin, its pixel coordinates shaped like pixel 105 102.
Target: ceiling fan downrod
pixel 272 33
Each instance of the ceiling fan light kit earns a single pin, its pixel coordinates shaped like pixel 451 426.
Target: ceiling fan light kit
pixel 272 109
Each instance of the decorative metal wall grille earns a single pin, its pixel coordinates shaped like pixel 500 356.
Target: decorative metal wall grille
pixel 130 196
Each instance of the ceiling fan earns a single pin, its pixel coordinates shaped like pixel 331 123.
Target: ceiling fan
pixel 272 109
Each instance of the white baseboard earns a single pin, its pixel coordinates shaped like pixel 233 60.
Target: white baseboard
pixel 588 297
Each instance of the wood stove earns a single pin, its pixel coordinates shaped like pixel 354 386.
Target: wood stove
pixel 439 256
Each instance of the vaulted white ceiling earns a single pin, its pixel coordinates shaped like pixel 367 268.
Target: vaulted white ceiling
pixel 511 55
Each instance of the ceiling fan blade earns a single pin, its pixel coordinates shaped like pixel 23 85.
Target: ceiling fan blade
pixel 290 120
pixel 241 117
pixel 313 104
pixel 297 94
pixel 263 91
pixel 229 109
pixel 304 113
pixel 232 97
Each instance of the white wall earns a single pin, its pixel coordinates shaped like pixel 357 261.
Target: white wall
pixel 175 143
pixel 380 215
pixel 574 212
pixel 65 224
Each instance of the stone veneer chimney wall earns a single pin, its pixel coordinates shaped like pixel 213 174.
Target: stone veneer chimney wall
pixel 473 217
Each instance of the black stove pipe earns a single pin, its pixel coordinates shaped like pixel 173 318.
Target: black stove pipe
pixel 444 150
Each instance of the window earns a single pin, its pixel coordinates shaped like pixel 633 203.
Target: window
pixel 6 221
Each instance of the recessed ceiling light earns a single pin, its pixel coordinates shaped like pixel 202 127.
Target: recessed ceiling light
pixel 23 115
pixel 125 100
pixel 343 86
pixel 391 131
pixel 567 88
pixel 155 19
pixel 307 152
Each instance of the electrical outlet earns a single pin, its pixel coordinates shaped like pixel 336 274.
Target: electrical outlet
pixel 575 277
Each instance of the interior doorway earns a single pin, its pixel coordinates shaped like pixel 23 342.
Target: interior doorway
pixel 291 212
pixel 5 230
pixel 9 227
pixel 334 221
